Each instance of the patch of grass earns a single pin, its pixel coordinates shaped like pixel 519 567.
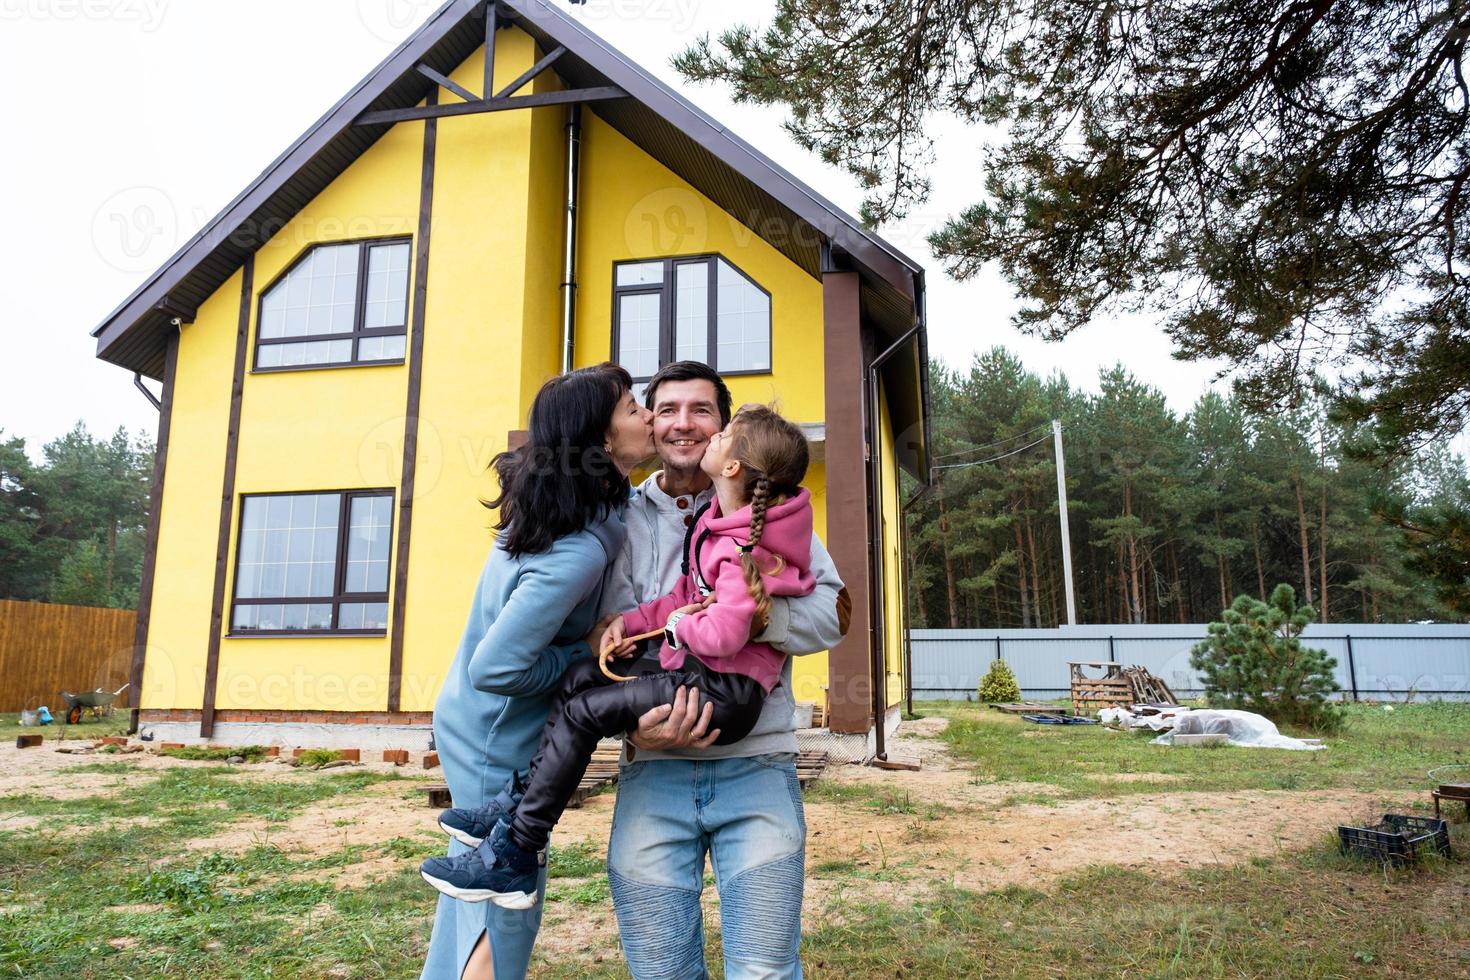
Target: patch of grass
pixel 107 768
pixel 878 797
pixel 579 860
pixel 592 891
pixel 203 753
pixel 1375 751
pixel 114 724
pixel 413 848
pixel 1311 915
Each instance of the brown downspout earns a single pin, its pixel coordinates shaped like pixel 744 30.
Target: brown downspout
pixel 569 241
pixel 876 612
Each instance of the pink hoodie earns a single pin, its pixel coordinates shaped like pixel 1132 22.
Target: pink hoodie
pixel 720 635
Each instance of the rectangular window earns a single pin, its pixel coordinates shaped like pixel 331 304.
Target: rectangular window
pixel 339 304
pixel 313 562
pixel 697 308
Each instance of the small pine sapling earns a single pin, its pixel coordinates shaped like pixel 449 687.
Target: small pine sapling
pixel 1253 659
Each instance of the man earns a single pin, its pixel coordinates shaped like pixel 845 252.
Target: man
pixel 679 796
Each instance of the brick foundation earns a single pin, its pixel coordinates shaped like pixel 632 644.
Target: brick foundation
pixel 251 716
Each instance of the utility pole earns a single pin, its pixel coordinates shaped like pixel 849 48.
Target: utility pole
pixel 1056 436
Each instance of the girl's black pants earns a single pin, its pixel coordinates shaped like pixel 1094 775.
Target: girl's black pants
pixel 589 707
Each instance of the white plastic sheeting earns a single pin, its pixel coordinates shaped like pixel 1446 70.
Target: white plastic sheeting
pixel 1244 728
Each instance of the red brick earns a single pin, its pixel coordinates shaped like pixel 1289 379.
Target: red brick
pixel 171 745
pixel 272 751
pixel 398 757
pixel 112 740
pixel 351 755
pixel 296 753
pixel 28 741
pixel 431 760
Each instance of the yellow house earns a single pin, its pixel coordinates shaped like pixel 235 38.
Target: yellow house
pixel 344 348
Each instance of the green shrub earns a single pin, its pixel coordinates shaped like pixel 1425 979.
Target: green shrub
pixel 999 684
pixel 1253 659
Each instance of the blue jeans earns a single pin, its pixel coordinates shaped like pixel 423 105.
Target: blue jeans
pixel 747 815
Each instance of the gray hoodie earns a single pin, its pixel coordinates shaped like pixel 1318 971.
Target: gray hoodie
pixel 649 565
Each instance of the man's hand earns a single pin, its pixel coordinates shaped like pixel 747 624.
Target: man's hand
pixel 681 725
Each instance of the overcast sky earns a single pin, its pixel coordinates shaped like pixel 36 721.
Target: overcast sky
pixel 131 123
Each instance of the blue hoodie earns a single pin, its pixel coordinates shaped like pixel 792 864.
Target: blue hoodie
pixel 528 620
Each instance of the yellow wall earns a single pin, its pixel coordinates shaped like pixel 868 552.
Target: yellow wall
pixel 322 430
pixel 893 571
pixel 183 578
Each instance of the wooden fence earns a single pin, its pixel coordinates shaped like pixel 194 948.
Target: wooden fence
pixel 45 648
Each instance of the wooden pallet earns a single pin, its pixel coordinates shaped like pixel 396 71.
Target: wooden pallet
pixel 810 765
pixel 1111 690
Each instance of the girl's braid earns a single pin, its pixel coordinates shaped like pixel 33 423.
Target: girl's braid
pixel 759 498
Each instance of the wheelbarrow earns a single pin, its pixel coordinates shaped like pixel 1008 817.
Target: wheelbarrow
pixel 91 704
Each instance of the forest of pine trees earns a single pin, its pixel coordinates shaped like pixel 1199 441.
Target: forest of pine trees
pixel 1171 517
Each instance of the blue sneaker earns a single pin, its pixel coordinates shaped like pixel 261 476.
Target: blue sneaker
pixel 471 825
pixel 499 870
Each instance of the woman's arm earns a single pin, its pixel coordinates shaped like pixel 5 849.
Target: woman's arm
pixel 516 657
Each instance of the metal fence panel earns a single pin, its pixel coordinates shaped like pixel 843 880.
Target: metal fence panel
pixel 1374 661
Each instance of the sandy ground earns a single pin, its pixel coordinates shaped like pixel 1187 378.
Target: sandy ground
pixel 973 841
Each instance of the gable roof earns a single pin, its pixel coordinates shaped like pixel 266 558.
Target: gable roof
pixel 732 173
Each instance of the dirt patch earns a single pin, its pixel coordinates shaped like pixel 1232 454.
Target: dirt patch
pixel 1134 777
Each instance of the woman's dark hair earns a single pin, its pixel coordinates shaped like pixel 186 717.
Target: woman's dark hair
pixel 691 371
pixel 562 479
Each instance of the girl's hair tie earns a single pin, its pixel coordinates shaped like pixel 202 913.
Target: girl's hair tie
pixel 747 548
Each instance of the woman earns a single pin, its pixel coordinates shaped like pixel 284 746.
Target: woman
pixel 560 526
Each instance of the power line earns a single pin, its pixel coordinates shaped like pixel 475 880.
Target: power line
pixel 992 459
pixel 975 449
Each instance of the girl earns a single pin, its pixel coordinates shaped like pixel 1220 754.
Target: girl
pixel 754 541
pixel 561 500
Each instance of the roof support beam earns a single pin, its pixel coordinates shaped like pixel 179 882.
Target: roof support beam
pixel 497 104
pixel 491 23
pixel 447 82
pixel 546 62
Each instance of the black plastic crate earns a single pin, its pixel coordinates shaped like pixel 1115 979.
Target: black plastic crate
pixel 1396 839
